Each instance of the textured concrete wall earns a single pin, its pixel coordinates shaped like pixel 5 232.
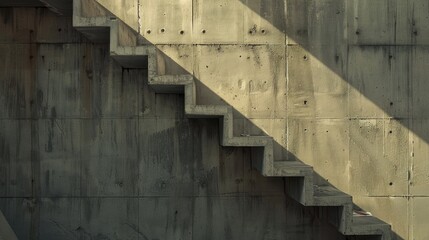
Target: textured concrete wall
pixel 89 151
pixel 339 84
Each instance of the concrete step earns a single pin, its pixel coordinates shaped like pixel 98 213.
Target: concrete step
pixel 370 225
pixel 291 169
pixel 249 141
pixel 208 111
pixel 330 196
pixel 171 83
pixel 336 206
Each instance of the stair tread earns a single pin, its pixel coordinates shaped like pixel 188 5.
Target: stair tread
pixel 366 220
pixel 363 225
pixel 252 137
pixel 291 164
pixel 178 79
pixel 291 169
pixel 330 196
pixel 249 141
pixel 329 191
pixel 207 111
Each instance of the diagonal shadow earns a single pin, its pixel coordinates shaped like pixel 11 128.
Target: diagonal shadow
pixel 246 127
pixel 384 80
pixel 329 53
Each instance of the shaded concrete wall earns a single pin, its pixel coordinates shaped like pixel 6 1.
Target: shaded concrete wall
pixel 89 151
pixel 340 85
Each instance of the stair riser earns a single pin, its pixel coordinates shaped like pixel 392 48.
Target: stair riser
pixel 300 189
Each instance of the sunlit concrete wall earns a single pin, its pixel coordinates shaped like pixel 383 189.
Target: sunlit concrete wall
pixel 89 151
pixel 341 85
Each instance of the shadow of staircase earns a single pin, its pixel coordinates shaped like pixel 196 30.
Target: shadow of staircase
pixel 301 182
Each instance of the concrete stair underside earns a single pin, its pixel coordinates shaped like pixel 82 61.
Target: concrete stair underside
pixel 124 48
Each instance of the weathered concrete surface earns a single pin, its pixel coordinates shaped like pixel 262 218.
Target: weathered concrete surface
pixel 330 75
pixel 100 155
pixel 351 67
pixel 304 192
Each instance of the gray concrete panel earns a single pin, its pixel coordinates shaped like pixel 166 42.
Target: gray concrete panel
pixel 17 72
pixel 363 14
pixel 167 21
pixel 15 156
pixel 327 21
pixel 218 22
pixel 381 89
pixel 60 218
pixel 102 93
pixel 165 218
pixel 109 157
pixel 58 87
pixel 164 168
pixel 270 212
pixel 418 74
pixel 60 157
pixel 218 218
pixel 316 85
pixel 31 25
pixel 374 145
pixel 419 166
pixel 264 22
pixel 418 218
pixel 109 218
pixel 418 27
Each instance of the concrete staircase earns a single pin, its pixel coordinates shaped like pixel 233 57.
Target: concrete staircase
pixel 336 206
